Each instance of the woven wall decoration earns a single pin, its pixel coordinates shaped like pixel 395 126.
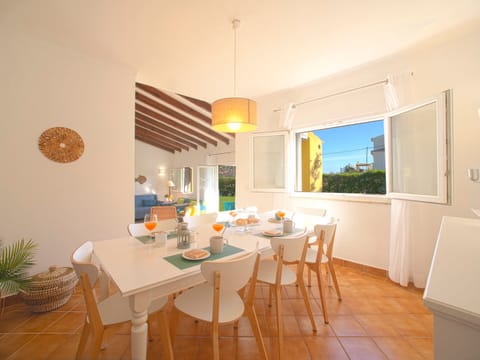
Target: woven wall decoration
pixel 61 144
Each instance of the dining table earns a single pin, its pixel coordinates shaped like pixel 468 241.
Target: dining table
pixel 143 272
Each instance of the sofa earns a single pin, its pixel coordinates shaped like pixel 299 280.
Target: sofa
pixel 144 202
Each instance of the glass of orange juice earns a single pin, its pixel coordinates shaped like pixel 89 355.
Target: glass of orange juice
pixel 280 214
pixel 218 227
pixel 150 222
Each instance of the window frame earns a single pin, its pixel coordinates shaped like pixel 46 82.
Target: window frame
pixel 442 121
pixel 294 176
pixel 285 160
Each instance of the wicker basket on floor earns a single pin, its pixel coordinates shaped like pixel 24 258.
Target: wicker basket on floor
pixel 50 289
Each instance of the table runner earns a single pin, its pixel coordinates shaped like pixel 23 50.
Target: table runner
pixel 181 263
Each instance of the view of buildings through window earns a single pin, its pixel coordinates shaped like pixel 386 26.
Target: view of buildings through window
pixel 343 159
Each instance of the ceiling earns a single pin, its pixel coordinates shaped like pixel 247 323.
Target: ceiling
pixel 173 122
pixel 186 46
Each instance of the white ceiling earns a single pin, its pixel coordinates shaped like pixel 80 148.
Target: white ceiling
pixel 186 46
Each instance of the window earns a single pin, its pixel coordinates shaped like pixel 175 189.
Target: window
pixel 409 160
pixel 418 161
pixel 269 161
pixel 342 159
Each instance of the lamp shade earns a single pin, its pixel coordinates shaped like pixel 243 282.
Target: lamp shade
pixel 170 183
pixel 234 115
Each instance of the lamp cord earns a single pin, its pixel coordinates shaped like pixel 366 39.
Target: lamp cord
pixel 235 24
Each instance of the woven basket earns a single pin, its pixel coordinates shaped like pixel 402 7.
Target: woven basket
pixel 50 289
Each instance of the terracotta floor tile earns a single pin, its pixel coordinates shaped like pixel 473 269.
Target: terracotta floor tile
pixel 326 348
pixel 346 325
pixel 376 325
pixel 376 318
pixel 397 348
pixel 360 348
pixel 423 345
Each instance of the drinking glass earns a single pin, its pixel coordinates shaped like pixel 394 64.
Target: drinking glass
pixel 218 227
pixel 150 222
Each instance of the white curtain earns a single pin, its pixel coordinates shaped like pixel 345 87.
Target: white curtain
pixel 399 267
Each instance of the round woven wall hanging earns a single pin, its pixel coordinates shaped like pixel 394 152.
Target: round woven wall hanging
pixel 61 144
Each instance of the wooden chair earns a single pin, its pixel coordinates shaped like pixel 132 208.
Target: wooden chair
pixel 217 301
pixel 276 273
pixel 322 253
pixel 139 229
pixel 110 310
pixel 164 212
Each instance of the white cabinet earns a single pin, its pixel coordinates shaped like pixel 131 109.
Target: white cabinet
pixel 452 292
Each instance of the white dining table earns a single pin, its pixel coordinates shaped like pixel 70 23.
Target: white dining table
pixel 142 274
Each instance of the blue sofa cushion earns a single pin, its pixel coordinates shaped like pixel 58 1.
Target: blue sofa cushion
pixel 149 202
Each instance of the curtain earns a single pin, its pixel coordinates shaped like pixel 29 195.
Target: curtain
pixel 399 267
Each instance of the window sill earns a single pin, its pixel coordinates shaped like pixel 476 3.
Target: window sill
pixel 377 199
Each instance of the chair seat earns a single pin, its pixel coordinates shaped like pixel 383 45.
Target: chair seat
pixel 311 257
pixel 116 308
pixel 197 302
pixel 268 269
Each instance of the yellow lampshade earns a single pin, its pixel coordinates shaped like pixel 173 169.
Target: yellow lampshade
pixel 234 115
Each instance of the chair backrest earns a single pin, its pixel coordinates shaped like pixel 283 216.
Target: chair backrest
pixel 328 237
pixel 308 217
pixel 234 274
pixel 139 229
pixel 164 212
pixel 81 260
pixel 294 247
pixel 202 219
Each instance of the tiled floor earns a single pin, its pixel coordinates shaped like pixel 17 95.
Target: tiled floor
pixel 376 320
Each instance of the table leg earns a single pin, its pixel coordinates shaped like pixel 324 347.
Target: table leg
pixel 139 331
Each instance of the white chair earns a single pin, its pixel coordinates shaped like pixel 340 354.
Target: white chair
pixel 139 229
pixel 107 310
pixel 217 301
pixel 276 273
pixel 322 253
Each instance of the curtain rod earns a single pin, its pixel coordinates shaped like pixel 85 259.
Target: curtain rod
pixel 385 81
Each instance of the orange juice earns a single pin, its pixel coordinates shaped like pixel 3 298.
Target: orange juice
pixel 217 227
pixel 280 214
pixel 150 225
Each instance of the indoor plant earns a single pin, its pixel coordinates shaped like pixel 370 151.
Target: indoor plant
pixel 15 260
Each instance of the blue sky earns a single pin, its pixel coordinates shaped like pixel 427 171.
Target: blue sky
pixel 348 144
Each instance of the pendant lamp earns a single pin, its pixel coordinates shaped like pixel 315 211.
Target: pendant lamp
pixel 234 114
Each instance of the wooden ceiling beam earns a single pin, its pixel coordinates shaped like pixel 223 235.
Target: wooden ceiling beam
pixel 174 102
pixel 174 132
pixel 168 121
pixel 200 103
pixel 158 131
pixel 155 143
pixel 148 136
pixel 179 117
pixel 161 138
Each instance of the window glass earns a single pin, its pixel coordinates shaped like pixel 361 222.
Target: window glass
pixel 342 159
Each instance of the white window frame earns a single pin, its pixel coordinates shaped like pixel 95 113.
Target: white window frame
pixel 282 159
pixel 443 117
pixel 373 198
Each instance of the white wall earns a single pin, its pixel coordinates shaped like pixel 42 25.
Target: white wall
pixel 448 61
pixel 57 205
pixel 148 162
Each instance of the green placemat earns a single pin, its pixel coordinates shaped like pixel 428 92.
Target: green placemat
pixel 147 239
pixel 182 263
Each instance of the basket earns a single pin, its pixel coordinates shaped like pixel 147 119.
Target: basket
pixel 50 289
